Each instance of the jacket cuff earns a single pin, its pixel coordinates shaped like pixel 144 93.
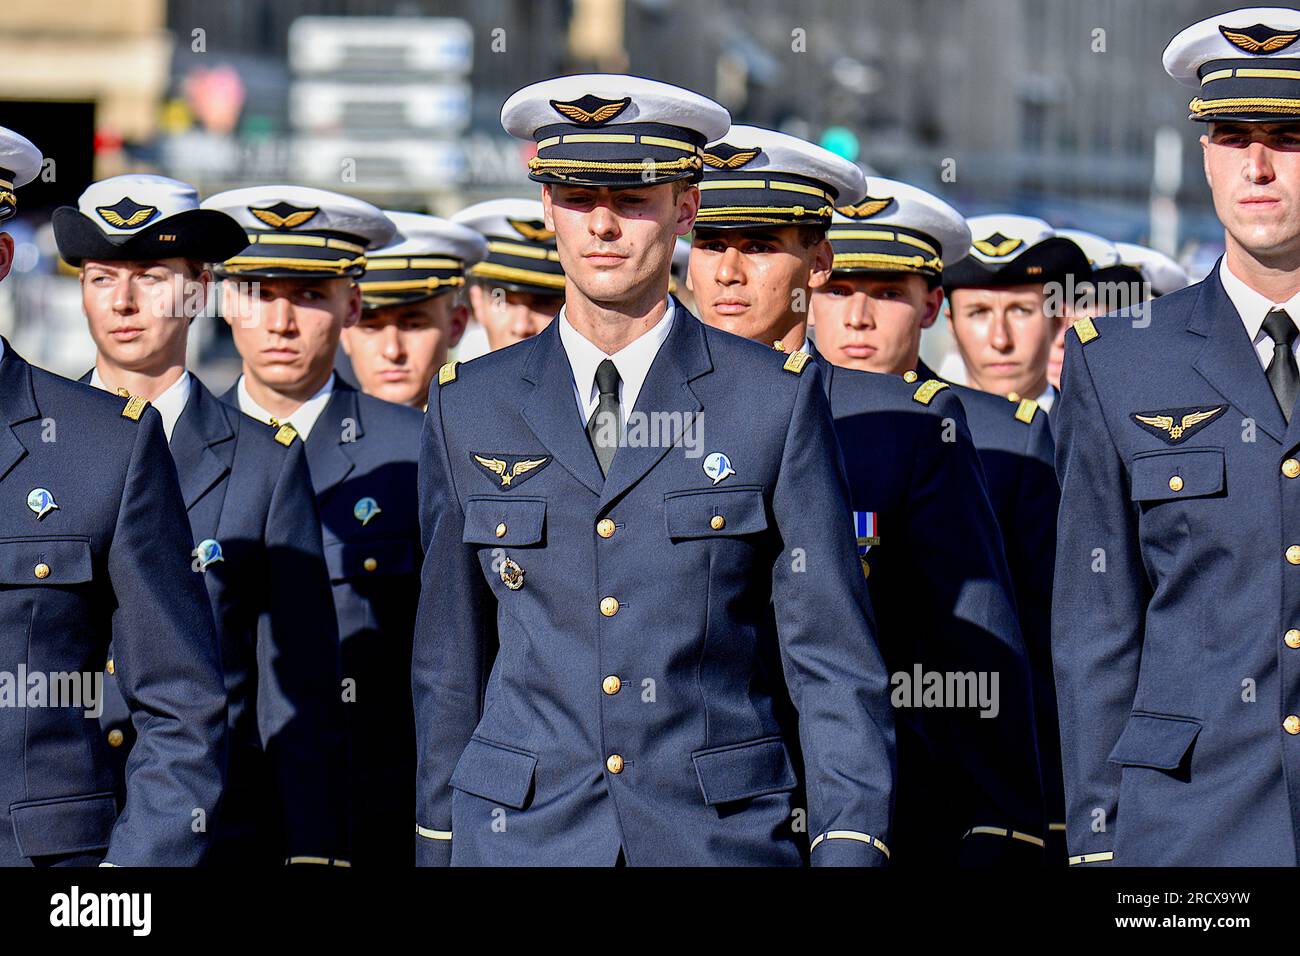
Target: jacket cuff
pixel 991 846
pixel 432 847
pixel 1104 857
pixel 848 848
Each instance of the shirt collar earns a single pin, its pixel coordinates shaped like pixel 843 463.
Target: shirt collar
pixel 1252 307
pixel 170 403
pixel 633 360
pixel 1048 398
pixel 303 418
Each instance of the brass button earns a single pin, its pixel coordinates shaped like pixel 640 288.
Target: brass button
pixel 1176 483
pixel 1013 396
pixel 615 763
pixel 1292 638
pixel 41 570
pixel 717 522
pixel 501 530
pixel 605 528
pixel 611 685
pixel 111 669
pixel 1292 724
pixel 370 564
pixel 909 376
pixel 609 605
pixel 1291 468
pixel 115 738
pixel 1292 554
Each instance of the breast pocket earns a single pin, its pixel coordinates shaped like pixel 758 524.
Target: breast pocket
pixel 45 562
pixel 505 521
pixel 1176 475
pixel 710 513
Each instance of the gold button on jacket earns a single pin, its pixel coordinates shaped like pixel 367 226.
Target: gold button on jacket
pixel 611 685
pixel 1292 724
pixel 1291 468
pixel 615 763
pixel 609 606
pixel 41 570
pixel 605 528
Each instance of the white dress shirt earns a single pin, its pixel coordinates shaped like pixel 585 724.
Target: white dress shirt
pixel 1254 309
pixel 633 362
pixel 303 418
pixel 170 403
pixel 1048 398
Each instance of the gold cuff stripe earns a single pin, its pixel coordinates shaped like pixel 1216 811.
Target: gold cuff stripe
pixel 526 252
pixel 322 860
pixel 883 235
pixel 247 263
pixel 275 239
pixel 646 140
pixel 850 835
pixel 1092 858
pixel 1247 72
pixel 1245 104
pixel 490 270
pixel 773 213
pixel 398 262
pixel 537 164
pixel 713 183
pixel 880 260
pixel 425 831
pixel 1004 832
pixel 406 285
pixel 1056 827
pixel 6 184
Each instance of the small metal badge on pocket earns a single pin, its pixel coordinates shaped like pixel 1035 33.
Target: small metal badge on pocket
pixel 512 575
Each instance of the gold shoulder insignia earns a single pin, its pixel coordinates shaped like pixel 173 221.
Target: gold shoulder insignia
pixel 591 110
pixel 1086 331
pixel 1026 410
pixel 796 362
pixel 447 373
pixel 925 394
pixel 134 407
pixel 778 345
pixel 1259 39
pixel 534 231
pixel 285 435
pixel 997 245
pixel 865 209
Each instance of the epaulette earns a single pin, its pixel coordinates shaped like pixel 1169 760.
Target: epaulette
pixel 447 373
pixel 134 407
pixel 925 394
pixel 1086 331
pixel 796 362
pixel 1026 410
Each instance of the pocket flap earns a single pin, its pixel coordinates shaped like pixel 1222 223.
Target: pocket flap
pixel 1150 740
pixel 64 824
pixel 1185 473
pixel 45 561
pixel 715 514
pixel 741 771
pixel 519 521
pixel 495 772
pixel 369 559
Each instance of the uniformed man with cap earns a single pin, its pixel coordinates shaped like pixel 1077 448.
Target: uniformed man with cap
pixel 1161 274
pixel 1109 285
pixel 518 288
pixel 643 626
pixel 287 297
pixel 140 243
pixel 93 555
pixel 968 782
pixel 889 252
pixel 1006 301
pixel 412 310
pixel 1176 630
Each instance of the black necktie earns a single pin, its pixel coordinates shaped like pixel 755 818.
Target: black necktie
pixel 1283 375
pixel 606 422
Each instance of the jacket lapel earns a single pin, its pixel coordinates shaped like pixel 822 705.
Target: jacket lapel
pixel 201 444
pixel 327 452
pixel 551 412
pixel 1228 360
pixel 17 404
pixel 683 356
